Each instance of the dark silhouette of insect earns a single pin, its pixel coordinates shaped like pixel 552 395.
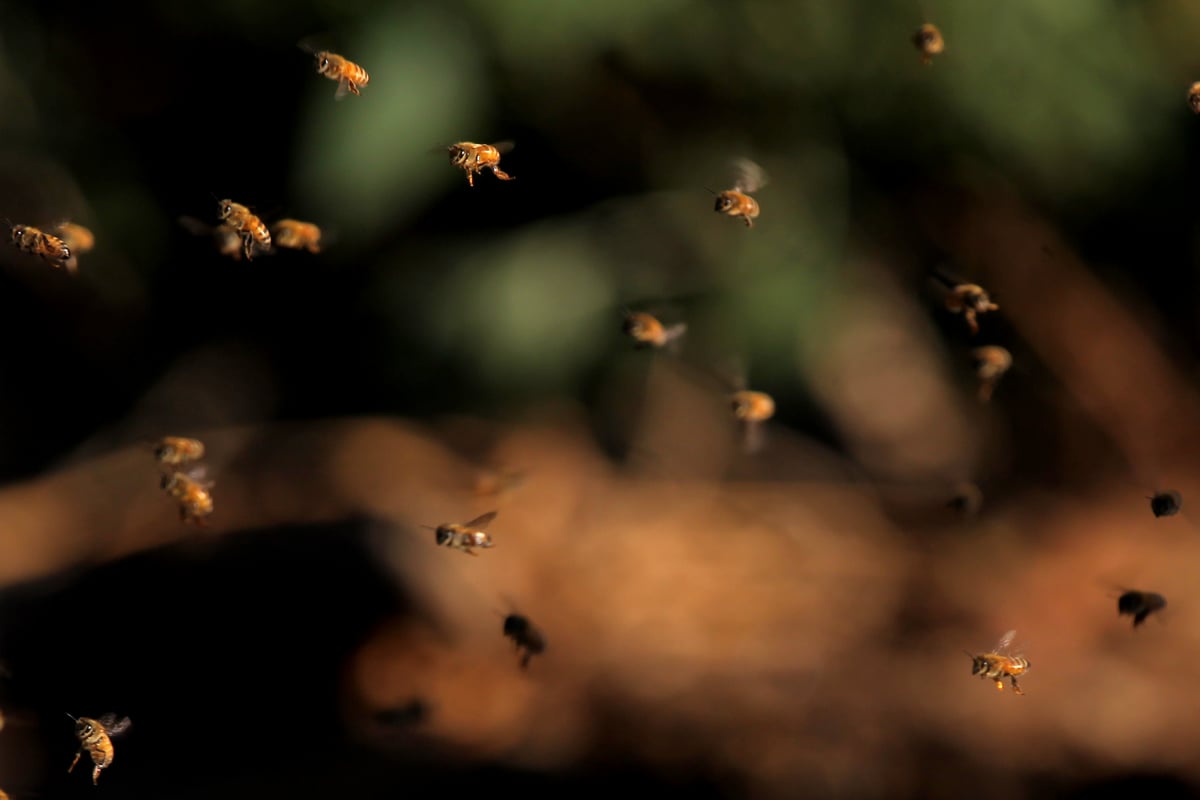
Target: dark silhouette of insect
pixel 1166 504
pixel 528 639
pixel 1140 605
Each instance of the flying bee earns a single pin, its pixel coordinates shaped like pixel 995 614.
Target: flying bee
pixel 998 664
pixel 174 451
pixel 46 246
pixel 1140 605
pixel 1193 97
pixel 528 640
pixel 1166 503
pixel 647 331
pixel 752 409
pixel 95 736
pixel 297 235
pixel 242 221
pixel 970 300
pixel 475 158
pixel 737 202
pixel 350 77
pixel 195 499
pixel 465 536
pixel 991 362
pixel 929 42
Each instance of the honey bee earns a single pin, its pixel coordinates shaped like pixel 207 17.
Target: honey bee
pixel 647 331
pixel 95 736
pixel 998 664
pixel 46 246
pixel 752 409
pixel 969 299
pixel 1193 97
pixel 991 362
pixel 78 239
pixel 195 500
pixel 737 202
pixel 297 235
pixel 465 536
pixel 475 158
pixel 174 451
pixel 350 77
pixel 928 40
pixel 528 640
pixel 227 240
pixel 1140 605
pixel 1166 503
pixel 241 220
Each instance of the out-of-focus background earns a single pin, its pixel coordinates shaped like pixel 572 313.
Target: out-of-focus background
pixel 789 621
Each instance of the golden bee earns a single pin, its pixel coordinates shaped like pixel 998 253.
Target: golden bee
pixel 752 409
pixel 193 495
pixel 174 451
pixel 465 536
pixel 296 235
pixel 350 77
pixel 1193 97
pixel 252 230
pixel 737 202
pixel 647 331
pixel 47 246
pixel 991 362
pixel 998 664
pixel 1166 503
pixel 1140 605
pixel 528 640
pixel 95 736
pixel 929 42
pixel 78 239
pixel 970 300
pixel 475 158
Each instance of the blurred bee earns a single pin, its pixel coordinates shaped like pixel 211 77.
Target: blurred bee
pixel 647 331
pixel 752 409
pixel 737 202
pixel 46 246
pixel 242 221
pixel 174 451
pixel 350 77
pixel 195 500
pixel 297 235
pixel 1140 605
pixel 1166 503
pixel 991 362
pixel 78 238
pixel 528 640
pixel 969 299
pixel 1193 97
pixel 465 536
pixel 95 736
pixel 475 158
pixel 226 239
pixel 929 42
pixel 998 664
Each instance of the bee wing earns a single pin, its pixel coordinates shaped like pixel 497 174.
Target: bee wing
pixel 748 176
pixel 343 89
pixel 115 725
pixel 194 226
pixel 1005 642
pixel 481 521
pixel 505 146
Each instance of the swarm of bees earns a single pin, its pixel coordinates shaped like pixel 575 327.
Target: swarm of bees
pixel 474 158
pixel 465 536
pixel 95 736
pixel 1140 605
pixel 1166 503
pixel 929 42
pixel 185 486
pixel 350 77
pixel 737 202
pixel 647 331
pixel 998 664
pixel 527 639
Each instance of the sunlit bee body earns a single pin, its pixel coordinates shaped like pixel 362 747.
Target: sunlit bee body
pixel 752 409
pixel 297 235
pixel 78 238
pixel 47 246
pixel 174 451
pixel 1140 605
pixel 648 331
pixel 737 202
pixel 1193 97
pixel 929 42
pixel 1166 503
pixel 466 536
pixel 999 664
pixel 350 77
pixel 252 230
pixel 991 362
pixel 528 639
pixel 475 158
pixel 194 498
pixel 970 300
pixel 95 736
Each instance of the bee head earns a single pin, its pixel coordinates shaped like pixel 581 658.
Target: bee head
pixel 1166 504
pixel 515 625
pixel 17 233
pixel 724 202
pixel 322 62
pixel 443 534
pixel 458 155
pixel 225 209
pixel 84 727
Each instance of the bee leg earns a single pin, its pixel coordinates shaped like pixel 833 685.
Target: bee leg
pixel 470 552
pixel 971 323
pixel 501 174
pixel 1000 686
pixel 352 87
pixel 96 775
pixel 1016 688
pixel 749 222
pixel 525 659
pixel 470 178
pixel 76 761
pixel 247 241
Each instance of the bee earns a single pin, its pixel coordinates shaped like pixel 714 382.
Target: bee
pixel 752 409
pixel 475 158
pixel 528 640
pixel 1193 97
pixel 297 235
pixel 737 202
pixel 174 451
pixel 46 246
pixel 465 536
pixel 970 300
pixel 1166 503
pixel 241 220
pixel 1140 605
pixel 78 238
pixel 991 362
pixel 998 664
pixel 95 736
pixel 350 77
pixel 227 240
pixel 647 331
pixel 195 500
pixel 928 40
